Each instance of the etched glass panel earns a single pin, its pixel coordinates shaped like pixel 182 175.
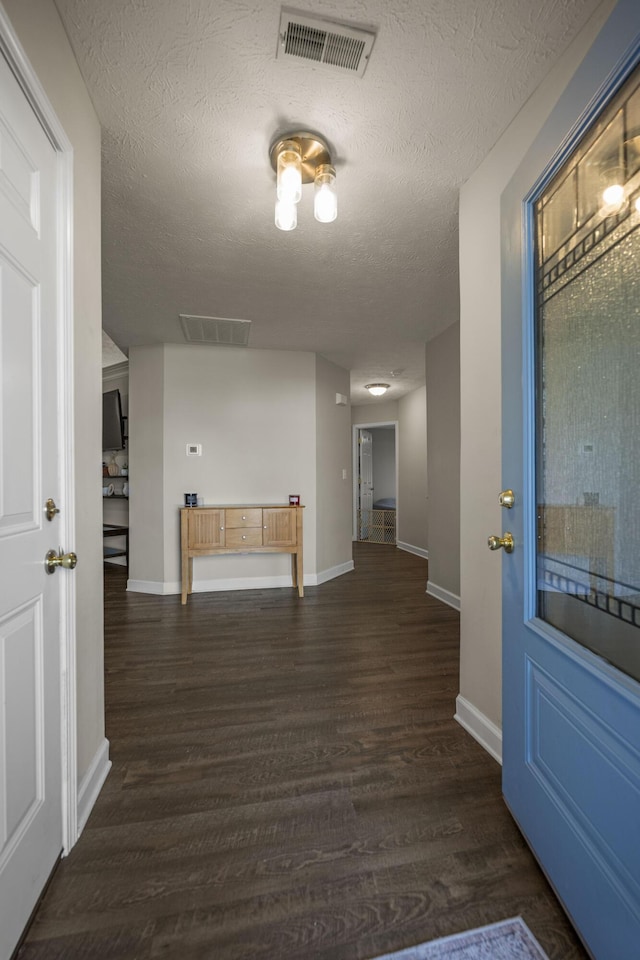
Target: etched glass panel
pixel 588 402
pixel 601 172
pixel 632 140
pixel 559 216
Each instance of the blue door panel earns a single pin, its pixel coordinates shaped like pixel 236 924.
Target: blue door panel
pixel 571 722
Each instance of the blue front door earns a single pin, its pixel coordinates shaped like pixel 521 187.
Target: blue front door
pixel 571 454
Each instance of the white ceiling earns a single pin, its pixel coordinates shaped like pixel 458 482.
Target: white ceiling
pixel 111 354
pixel 190 96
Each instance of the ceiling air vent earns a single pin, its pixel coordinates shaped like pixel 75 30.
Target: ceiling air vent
pixel 326 42
pixel 217 330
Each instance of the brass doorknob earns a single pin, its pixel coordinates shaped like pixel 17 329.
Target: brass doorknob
pixel 60 559
pixel 507 499
pixel 495 543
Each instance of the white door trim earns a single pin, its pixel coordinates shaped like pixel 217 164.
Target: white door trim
pixel 12 50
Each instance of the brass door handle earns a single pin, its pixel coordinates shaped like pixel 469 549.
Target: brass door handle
pixel 495 543
pixel 507 499
pixel 60 559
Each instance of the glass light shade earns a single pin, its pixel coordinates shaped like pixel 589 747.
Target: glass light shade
pixel 286 215
pixel 377 389
pixel 325 199
pixel 289 173
pixel 613 195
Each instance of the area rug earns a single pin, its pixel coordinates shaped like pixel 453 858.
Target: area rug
pixel 507 940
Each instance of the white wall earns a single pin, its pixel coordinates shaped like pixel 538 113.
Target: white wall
pixel 443 460
pixel 333 456
pixel 482 472
pixel 146 465
pixel 412 470
pixel 40 31
pixel 382 411
pixel 269 426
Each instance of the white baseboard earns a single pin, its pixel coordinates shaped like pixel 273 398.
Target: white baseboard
pixel 330 574
pixel 419 552
pixel 91 784
pixel 209 586
pixel 152 586
pixel 480 727
pixel 445 595
pixel 238 583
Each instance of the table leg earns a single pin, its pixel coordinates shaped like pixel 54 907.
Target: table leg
pixel 185 578
pixel 299 574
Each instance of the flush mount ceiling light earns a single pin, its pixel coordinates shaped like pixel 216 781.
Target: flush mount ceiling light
pixel 376 389
pixel 301 158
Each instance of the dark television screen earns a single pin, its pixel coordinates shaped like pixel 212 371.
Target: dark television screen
pixel 112 433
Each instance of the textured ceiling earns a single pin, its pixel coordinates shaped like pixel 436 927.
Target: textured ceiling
pixel 190 96
pixel 111 354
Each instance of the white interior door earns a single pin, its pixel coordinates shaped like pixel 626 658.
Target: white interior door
pixel 31 834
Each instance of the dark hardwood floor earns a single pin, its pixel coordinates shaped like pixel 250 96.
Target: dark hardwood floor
pixel 288 783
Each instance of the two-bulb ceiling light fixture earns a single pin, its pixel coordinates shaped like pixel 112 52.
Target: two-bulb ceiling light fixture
pixel 301 158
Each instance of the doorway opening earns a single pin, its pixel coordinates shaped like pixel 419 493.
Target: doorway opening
pixel 115 465
pixel 375 482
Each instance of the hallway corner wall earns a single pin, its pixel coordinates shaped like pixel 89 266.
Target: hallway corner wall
pixel 483 473
pixel 333 456
pixel 412 471
pixel 254 414
pixel 443 464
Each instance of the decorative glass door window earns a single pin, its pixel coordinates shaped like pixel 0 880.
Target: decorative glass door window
pixel 588 388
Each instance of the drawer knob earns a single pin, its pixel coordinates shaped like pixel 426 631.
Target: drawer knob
pixel 244 518
pixel 265 527
pixel 222 528
pixel 244 536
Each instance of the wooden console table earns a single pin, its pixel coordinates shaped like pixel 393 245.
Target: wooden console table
pixel 259 528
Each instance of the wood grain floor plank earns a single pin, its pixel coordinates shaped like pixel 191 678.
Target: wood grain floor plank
pixel 288 783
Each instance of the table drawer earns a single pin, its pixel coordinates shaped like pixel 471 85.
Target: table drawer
pixel 243 518
pixel 244 537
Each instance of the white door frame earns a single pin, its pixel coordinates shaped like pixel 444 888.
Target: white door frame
pixel 354 467
pixel 11 49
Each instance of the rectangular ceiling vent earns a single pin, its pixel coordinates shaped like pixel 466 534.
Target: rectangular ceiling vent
pixel 216 330
pixel 326 42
